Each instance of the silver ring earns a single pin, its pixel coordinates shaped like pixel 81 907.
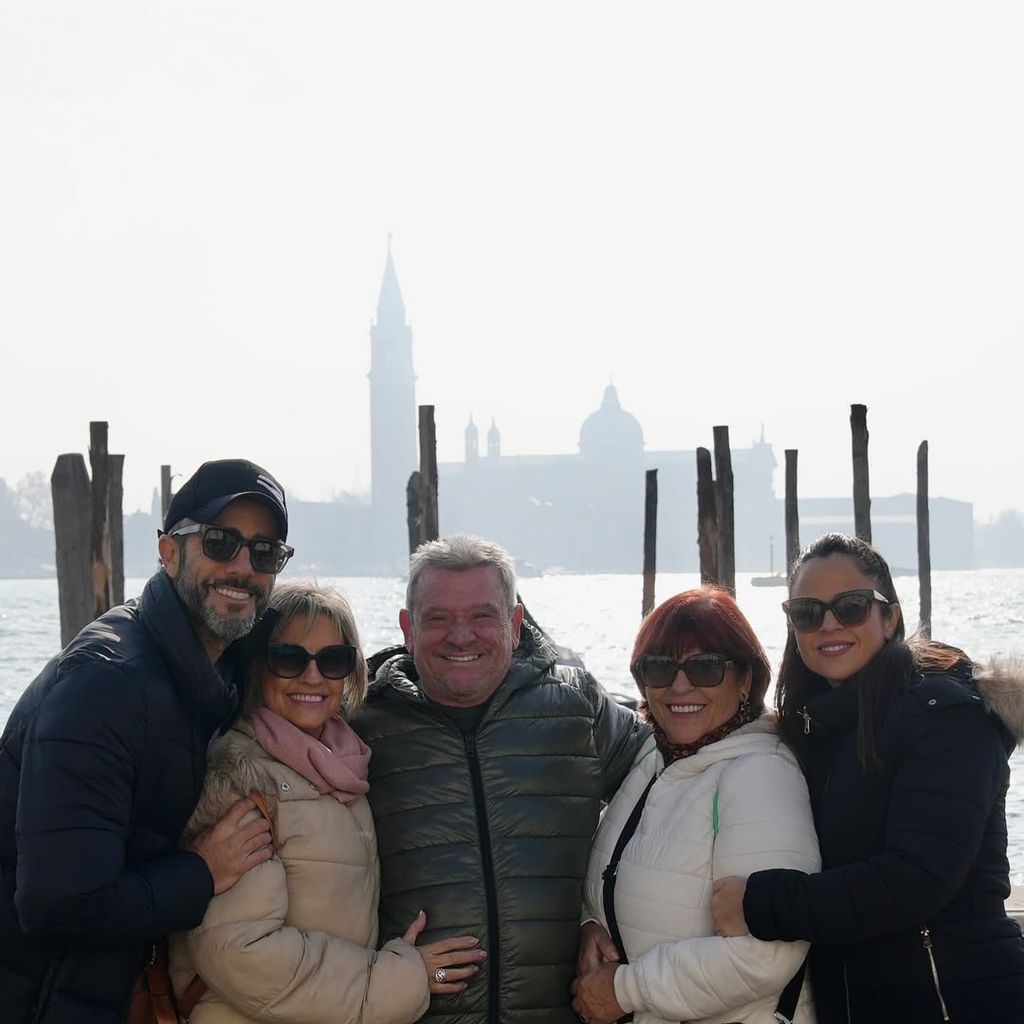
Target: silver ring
pixel 440 975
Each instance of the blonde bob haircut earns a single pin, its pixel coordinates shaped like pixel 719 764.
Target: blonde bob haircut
pixel 307 599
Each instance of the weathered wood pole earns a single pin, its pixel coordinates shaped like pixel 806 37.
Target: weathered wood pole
pixel 924 550
pixel 165 492
pixel 99 546
pixel 792 512
pixel 428 472
pixel 707 519
pixel 861 489
pixel 414 510
pixel 726 521
pixel 115 519
pixel 650 537
pixel 69 486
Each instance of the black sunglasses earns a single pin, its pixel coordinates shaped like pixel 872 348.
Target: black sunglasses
pixel 289 661
pixel 659 670
pixel 222 544
pixel 851 608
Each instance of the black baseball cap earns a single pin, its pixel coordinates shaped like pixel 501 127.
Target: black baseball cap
pixel 214 485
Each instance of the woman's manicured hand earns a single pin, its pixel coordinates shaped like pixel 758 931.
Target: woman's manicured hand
pixel 449 963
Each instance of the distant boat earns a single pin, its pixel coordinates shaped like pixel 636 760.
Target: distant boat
pixel 774 579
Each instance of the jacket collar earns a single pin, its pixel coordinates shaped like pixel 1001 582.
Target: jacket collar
pixel 1000 683
pixel 211 697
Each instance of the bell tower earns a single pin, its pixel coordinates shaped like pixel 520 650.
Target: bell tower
pixel 392 412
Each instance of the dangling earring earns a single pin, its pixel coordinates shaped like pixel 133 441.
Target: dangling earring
pixel 744 704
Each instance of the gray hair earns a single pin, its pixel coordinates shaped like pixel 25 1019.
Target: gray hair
pixel 307 599
pixel 458 553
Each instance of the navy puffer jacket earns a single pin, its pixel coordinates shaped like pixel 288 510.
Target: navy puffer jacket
pixel 101 764
pixel 490 833
pixel 906 919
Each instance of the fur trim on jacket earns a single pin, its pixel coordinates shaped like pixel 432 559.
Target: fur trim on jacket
pixel 1001 685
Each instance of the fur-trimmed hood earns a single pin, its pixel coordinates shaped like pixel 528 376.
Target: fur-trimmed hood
pixel 1001 685
pixel 237 766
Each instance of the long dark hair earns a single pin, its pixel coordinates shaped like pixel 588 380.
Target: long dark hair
pixel 890 670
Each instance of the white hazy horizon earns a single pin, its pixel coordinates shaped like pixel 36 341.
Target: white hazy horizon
pixel 737 213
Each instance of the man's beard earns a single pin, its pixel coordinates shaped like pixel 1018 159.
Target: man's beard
pixel 226 628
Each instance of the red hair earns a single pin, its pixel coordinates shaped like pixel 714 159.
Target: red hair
pixel 709 618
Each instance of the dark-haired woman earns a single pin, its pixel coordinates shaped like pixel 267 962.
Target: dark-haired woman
pixel 719 793
pixel 905 746
pixel 295 938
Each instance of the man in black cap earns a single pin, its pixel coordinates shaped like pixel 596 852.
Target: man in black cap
pixel 103 759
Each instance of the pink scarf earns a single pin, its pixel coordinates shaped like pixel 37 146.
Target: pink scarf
pixel 336 763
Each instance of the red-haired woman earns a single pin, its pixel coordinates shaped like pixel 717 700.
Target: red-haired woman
pixel 713 789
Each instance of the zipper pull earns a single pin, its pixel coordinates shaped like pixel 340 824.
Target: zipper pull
pixel 926 941
pixel 806 716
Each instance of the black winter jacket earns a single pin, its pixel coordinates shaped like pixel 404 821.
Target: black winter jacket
pixel 101 764
pixel 490 833
pixel 906 919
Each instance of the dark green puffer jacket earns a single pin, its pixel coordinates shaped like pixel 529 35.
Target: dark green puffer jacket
pixel 490 834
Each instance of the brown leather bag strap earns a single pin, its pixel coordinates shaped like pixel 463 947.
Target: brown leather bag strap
pixel 158 981
pixel 195 991
pixel 260 800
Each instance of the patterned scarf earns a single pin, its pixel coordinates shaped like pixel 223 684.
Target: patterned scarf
pixel 336 764
pixel 673 751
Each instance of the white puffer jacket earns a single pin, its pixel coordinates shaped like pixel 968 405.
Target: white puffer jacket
pixel 734 807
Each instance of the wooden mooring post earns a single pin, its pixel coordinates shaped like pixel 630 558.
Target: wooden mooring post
pixel 428 472
pixel 165 492
pixel 115 520
pixel 724 505
pixel 861 487
pixel 88 533
pixel 707 519
pixel 69 485
pixel 792 513
pixel 421 490
pixel 99 546
pixel 924 550
pixel 650 538
pixel 414 510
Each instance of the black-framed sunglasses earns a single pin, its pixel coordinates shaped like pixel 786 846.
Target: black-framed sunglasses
pixel 289 661
pixel 222 544
pixel 851 608
pixel 659 670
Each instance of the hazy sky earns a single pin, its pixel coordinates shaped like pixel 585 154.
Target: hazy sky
pixel 738 213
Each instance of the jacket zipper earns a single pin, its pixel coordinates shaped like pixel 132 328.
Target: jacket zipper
pixel 41 999
pixel 926 941
pixel 490 893
pixel 846 991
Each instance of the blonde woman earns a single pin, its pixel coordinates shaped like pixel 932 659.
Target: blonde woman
pixel 295 938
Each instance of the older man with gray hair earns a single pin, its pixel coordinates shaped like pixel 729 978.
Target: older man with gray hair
pixel 490 765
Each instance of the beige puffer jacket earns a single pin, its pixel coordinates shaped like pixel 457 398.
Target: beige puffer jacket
pixel 294 939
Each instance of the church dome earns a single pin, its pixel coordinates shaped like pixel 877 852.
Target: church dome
pixel 611 430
